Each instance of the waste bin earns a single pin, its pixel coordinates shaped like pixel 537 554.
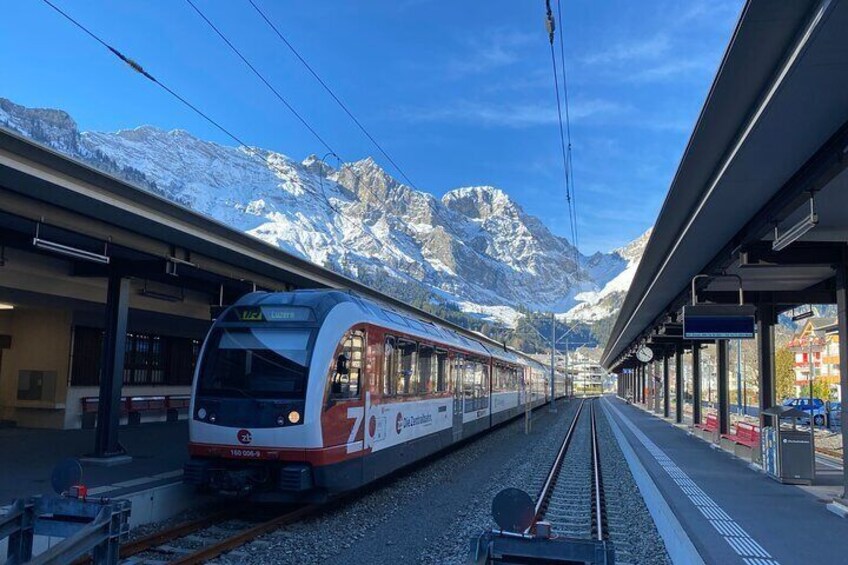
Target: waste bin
pixel 789 454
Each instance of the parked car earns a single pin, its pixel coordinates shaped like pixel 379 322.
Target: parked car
pixel 835 414
pixel 819 411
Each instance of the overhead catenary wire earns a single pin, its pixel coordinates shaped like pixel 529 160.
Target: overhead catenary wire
pixel 279 96
pixel 564 73
pixel 332 94
pixel 267 83
pixel 551 28
pixel 137 67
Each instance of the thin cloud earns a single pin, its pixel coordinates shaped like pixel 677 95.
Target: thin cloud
pixel 513 115
pixel 669 69
pixel 495 50
pixel 636 50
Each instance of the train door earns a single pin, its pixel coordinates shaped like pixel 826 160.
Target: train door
pixel 345 407
pixel 458 395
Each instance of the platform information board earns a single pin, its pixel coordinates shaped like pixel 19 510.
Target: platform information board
pixel 718 321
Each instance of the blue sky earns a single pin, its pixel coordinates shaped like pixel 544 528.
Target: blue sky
pixel 459 92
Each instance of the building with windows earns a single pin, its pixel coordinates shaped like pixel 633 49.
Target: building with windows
pixel 816 349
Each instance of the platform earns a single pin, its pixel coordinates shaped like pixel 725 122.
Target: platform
pixel 158 451
pixel 732 513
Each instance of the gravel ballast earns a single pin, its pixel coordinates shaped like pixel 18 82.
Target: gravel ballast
pixel 429 514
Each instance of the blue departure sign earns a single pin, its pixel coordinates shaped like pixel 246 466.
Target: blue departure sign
pixel 718 321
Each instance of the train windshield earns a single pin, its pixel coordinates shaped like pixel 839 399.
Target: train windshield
pixel 256 363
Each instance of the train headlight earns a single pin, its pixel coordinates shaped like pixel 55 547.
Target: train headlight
pixel 212 418
pixel 281 421
pixel 294 417
pixel 201 413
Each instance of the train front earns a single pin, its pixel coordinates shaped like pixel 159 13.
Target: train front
pixel 250 423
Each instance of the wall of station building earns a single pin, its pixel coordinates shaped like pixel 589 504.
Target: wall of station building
pixel 41 382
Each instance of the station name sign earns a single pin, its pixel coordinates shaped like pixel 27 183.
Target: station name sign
pixel 718 321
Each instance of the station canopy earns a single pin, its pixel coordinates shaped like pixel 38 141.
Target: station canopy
pixel 770 146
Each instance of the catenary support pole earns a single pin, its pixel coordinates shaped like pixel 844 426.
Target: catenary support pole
pixel 696 383
pixel 666 387
pixel 112 368
pixel 553 364
pixel 721 377
pixel 765 358
pixel 678 383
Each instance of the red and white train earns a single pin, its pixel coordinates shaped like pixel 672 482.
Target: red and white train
pixel 307 394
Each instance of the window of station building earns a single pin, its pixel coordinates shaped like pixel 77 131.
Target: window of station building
pixel 346 375
pixel 148 360
pixel 144 360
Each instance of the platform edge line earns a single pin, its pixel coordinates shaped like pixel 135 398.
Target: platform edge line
pixel 677 542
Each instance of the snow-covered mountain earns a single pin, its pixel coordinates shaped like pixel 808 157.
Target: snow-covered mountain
pixel 597 305
pixel 474 248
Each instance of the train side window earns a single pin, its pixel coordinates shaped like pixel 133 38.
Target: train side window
pixel 389 355
pixel 426 365
pixel 484 389
pixel 457 370
pixel 405 375
pixel 346 380
pixel 441 370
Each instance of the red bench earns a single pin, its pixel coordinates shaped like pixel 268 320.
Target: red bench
pixel 134 406
pixel 711 424
pixel 175 405
pixel 746 434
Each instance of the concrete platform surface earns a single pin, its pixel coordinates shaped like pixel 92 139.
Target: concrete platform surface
pixel 732 514
pixel 158 453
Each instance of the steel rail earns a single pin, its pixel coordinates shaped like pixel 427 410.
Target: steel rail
pixel 547 489
pixel 183 529
pixel 596 472
pixel 212 551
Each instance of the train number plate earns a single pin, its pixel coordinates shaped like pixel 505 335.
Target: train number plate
pixel 249 453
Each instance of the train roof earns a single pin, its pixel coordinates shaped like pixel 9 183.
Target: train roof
pixel 322 301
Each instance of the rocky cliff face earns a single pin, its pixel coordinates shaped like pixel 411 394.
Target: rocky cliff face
pixel 474 247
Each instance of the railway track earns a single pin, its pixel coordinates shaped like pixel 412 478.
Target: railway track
pixel 574 500
pixel 206 538
pixel 572 496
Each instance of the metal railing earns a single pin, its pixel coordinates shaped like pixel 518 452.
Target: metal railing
pixel 89 527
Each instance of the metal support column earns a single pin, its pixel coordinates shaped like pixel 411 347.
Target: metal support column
pixel 638 377
pixel 666 388
pixel 655 389
pixel 640 384
pixel 696 383
pixel 112 368
pixel 721 377
pixel 765 357
pixel 842 329
pixel 678 383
